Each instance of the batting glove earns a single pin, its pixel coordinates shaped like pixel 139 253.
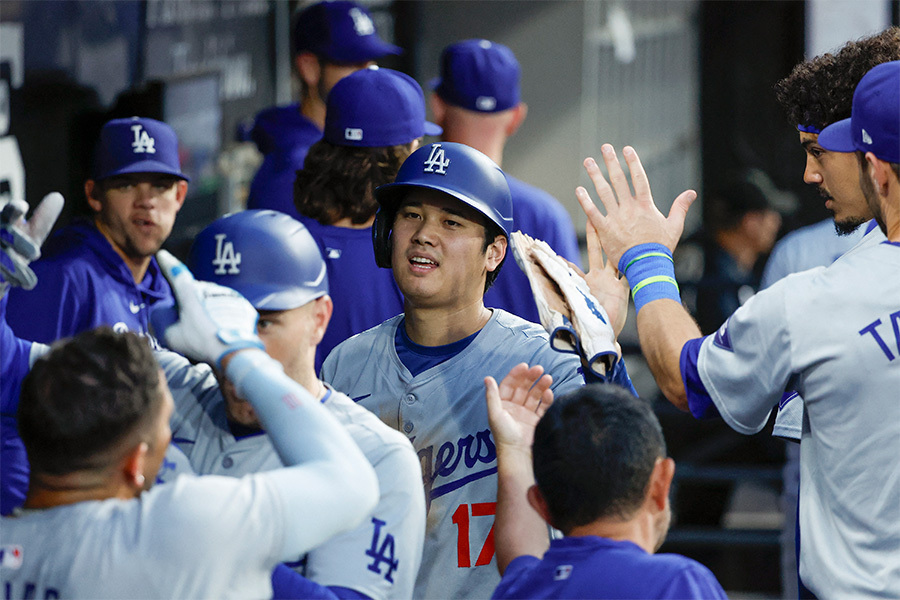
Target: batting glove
pixel 20 242
pixel 552 309
pixel 209 321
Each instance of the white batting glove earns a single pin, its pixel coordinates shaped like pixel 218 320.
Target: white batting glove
pixel 552 308
pixel 20 242
pixel 597 340
pixel 209 321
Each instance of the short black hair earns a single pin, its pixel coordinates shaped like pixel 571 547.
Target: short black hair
pixel 85 397
pixel 594 451
pixel 819 92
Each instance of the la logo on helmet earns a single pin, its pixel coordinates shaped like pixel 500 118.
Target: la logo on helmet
pixel 142 143
pixel 436 162
pixel 226 257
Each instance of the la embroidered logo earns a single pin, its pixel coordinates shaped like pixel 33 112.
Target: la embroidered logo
pixel 226 257
pixel 361 22
pixel 436 162
pixel 866 138
pixel 11 556
pixel 142 143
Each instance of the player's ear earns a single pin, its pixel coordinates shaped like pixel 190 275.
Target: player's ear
pixel 519 112
pixel 660 483
pixel 322 312
pixel 878 171
pixel 92 191
pixel 181 193
pixel 495 252
pixel 133 468
pixel 539 504
pixel 438 108
pixel 308 68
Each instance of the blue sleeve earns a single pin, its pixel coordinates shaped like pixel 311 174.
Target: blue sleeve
pixel 288 584
pixel 518 567
pixel 699 400
pixel 695 581
pixel 48 312
pixel 14 364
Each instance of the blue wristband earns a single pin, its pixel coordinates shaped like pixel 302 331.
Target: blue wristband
pixel 650 271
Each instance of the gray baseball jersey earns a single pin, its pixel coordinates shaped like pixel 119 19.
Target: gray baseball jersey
pixel 381 557
pixel 833 335
pixel 819 246
pixel 224 535
pixel 443 412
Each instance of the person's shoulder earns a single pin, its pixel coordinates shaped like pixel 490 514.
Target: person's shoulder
pixel 683 577
pixel 362 342
pixel 532 199
pixel 362 424
pixel 280 128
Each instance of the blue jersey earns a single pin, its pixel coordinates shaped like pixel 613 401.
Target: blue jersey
pixel 541 216
pixel 84 283
pixel 442 410
pixel 364 295
pixel 284 136
pixel 596 567
pixel 16 357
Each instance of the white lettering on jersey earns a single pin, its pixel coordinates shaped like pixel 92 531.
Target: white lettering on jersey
pixel 226 257
pixel 142 143
pixel 361 22
pixel 436 162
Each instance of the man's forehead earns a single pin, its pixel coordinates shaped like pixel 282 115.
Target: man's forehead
pixel 807 138
pixel 440 200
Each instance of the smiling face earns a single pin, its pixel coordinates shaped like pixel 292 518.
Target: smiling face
pixel 438 255
pixel 836 176
pixel 136 212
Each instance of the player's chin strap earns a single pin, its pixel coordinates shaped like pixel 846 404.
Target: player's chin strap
pixel 20 242
pixel 565 295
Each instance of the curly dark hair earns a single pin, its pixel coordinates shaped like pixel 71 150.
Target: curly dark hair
pixel 87 396
pixel 819 92
pixel 337 182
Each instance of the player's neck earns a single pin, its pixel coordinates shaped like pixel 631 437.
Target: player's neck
pixel 137 265
pixel 439 327
pixel 47 491
pixel 639 530
pixel 313 109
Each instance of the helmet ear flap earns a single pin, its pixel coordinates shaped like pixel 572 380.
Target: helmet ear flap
pixel 381 236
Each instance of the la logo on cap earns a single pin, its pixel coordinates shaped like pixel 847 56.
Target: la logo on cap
pixel 361 22
pixel 142 143
pixel 226 256
pixel 436 162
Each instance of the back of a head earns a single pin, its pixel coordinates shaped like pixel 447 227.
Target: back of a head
pixel 594 451
pixel 83 402
pixel 819 92
pixel 340 32
pixel 745 191
pixel 479 75
pixel 267 256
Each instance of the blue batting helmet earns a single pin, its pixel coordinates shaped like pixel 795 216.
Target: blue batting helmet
pixel 454 169
pixel 267 256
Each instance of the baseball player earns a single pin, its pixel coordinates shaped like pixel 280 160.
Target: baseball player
pixel 20 243
pixel 375 119
pixel 329 41
pixel 602 479
pixel 273 261
pixel 443 229
pixel 94 416
pixel 823 332
pixel 817 93
pixel 102 271
pixel 477 101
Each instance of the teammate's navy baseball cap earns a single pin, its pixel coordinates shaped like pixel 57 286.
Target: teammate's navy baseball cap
pixel 874 123
pixel 479 75
pixel 341 32
pixel 136 145
pixel 376 107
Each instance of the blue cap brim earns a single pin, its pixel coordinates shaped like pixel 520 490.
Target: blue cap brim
pixel 144 166
pixel 433 128
pixel 838 137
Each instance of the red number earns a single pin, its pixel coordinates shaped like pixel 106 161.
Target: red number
pixel 461 520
